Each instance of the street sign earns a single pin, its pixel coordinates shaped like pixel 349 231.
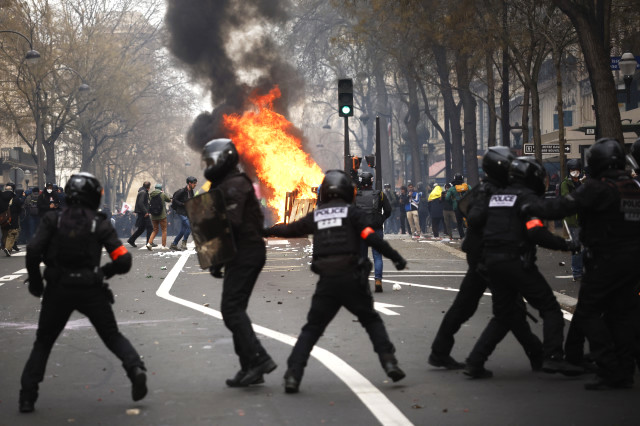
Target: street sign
pixel 615 63
pixel 16 175
pixel 591 131
pixel 553 148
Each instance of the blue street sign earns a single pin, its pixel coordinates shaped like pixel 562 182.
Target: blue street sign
pixel 615 63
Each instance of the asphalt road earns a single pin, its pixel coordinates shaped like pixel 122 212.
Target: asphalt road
pixel 169 309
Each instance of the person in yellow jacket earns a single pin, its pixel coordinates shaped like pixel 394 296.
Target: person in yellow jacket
pixel 435 210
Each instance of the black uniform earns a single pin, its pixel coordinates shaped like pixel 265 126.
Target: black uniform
pixel 510 239
pixel 338 228
pixel 609 214
pixel 71 253
pixel 241 273
pixel 472 289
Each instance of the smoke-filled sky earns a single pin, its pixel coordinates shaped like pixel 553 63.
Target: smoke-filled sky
pixel 225 45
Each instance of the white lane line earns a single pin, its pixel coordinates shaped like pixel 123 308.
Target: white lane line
pixel 379 405
pixel 566 314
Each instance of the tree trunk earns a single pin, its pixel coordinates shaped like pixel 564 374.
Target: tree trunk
pixel 382 110
pixel 469 108
pixel 592 26
pixel 413 117
pixel 450 106
pixel 491 99
pixel 557 62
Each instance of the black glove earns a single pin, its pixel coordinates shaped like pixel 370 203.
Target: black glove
pixel 574 246
pixel 36 287
pixel 107 270
pixel 400 263
pixel 216 271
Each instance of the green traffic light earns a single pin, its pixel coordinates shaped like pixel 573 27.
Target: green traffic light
pixel 346 109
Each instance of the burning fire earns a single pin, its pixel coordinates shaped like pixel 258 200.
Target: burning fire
pixel 264 139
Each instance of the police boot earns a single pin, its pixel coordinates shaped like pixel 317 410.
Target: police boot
pixel 236 382
pixel 292 381
pixel 26 403
pixel 447 362
pixel 476 371
pixel 257 369
pixel 390 366
pixel 555 364
pixel 138 377
pixel 378 287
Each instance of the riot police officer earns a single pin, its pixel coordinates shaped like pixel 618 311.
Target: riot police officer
pixel 510 239
pixel 377 208
pixel 338 228
pixel 495 163
pixel 241 272
pixel 608 207
pixel 70 243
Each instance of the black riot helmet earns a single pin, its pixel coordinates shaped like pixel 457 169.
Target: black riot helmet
pixel 530 172
pixel 191 179
pixel 337 184
pixel 574 164
pixel 221 157
pixel 366 179
pixel 83 188
pixel 605 154
pixel 495 163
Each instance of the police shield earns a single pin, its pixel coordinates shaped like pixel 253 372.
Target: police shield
pixel 211 229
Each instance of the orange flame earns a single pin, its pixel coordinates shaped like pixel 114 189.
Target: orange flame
pixel 265 139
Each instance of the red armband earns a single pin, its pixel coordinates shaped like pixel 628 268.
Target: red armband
pixel 118 252
pixel 366 232
pixel 533 223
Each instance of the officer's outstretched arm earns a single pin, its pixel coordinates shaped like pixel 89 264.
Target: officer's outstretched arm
pixel 371 239
pixel 540 235
pixel 36 249
pixel 551 208
pixel 298 228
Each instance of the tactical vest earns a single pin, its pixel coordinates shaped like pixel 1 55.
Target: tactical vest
pixel 368 200
pixel 73 258
pixel 617 225
pixel 505 229
pixel 334 233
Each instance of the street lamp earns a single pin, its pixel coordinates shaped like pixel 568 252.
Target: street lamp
pixel 32 56
pixel 628 67
pixel 516 131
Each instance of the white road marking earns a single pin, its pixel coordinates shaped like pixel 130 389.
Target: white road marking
pixel 277 242
pixel 566 314
pixel 382 308
pixel 379 405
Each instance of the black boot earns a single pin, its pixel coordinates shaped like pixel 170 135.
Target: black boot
pixel 556 364
pixel 237 380
pixel 257 370
pixel 477 371
pixel 292 381
pixel 138 377
pixel 390 366
pixel 445 361
pixel 26 403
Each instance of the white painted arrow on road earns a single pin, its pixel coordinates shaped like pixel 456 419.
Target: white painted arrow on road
pixel 382 308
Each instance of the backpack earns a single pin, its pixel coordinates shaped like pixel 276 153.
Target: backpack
pixel 155 205
pixel 370 202
pixel 461 190
pixel 32 205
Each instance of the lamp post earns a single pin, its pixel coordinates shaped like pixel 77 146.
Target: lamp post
pixel 628 67
pixel 32 56
pixel 516 131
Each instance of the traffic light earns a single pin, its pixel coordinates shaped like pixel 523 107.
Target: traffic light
pixel 345 97
pixel 355 162
pixel 371 160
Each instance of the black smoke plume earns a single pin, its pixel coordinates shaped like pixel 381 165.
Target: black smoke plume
pixel 200 32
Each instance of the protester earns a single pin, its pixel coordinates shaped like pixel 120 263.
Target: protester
pixel 158 212
pixel 141 209
pixel 180 197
